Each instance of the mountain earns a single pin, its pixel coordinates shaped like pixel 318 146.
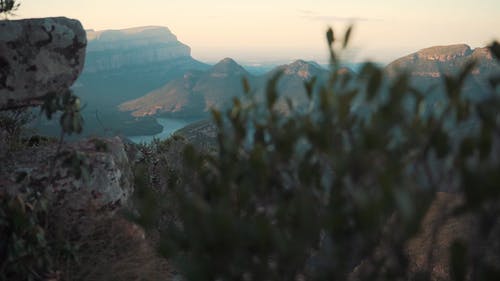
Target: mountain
pixel 196 92
pixel 291 83
pixel 114 49
pixel 193 94
pixel 122 65
pixel 128 63
pixel 427 67
pixel 438 60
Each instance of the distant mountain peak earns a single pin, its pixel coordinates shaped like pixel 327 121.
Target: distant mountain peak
pixel 226 67
pixel 301 68
pixel 227 63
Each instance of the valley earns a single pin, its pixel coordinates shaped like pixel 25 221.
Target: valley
pixel 133 76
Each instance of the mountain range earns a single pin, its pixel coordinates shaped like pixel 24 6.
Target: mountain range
pixel 131 76
pixel 196 92
pixel 121 65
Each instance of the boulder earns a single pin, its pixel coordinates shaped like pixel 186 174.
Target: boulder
pixel 41 56
pixel 89 174
pixel 37 57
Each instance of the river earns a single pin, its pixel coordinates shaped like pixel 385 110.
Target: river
pixel 170 125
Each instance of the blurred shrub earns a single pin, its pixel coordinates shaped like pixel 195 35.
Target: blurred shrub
pixel 310 195
pixel 8 6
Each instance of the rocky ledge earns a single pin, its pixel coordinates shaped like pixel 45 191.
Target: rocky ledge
pixel 41 56
pixel 91 174
pixel 37 57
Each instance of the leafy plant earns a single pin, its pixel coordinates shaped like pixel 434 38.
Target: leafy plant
pixel 24 251
pixel 311 195
pixel 68 104
pixel 13 123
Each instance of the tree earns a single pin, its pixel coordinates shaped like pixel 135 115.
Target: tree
pixel 309 195
pixel 8 6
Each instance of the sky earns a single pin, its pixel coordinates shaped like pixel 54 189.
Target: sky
pixel 259 31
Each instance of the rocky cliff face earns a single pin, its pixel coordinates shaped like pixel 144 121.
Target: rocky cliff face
pixel 38 56
pixel 114 49
pixel 444 53
pixel 434 61
pixel 427 67
pixel 103 179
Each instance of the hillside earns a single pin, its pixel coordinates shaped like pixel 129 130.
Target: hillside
pixel 196 92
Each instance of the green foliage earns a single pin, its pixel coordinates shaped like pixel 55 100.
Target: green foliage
pixel 309 195
pixel 28 249
pixel 68 104
pixel 24 251
pixel 13 124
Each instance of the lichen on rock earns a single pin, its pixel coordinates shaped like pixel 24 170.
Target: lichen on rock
pixel 39 56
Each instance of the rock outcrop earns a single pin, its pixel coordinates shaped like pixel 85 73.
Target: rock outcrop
pixel 39 56
pixel 445 53
pixel 94 173
pixel 114 49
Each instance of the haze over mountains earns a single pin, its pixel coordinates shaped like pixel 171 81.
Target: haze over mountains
pixel 122 65
pixel 115 49
pixel 197 91
pixel 134 75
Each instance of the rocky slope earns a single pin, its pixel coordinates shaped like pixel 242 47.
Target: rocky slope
pixel 57 195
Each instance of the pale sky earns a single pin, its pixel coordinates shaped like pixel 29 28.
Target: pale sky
pixel 263 30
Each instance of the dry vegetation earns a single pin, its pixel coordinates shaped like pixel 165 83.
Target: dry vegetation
pixel 105 248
